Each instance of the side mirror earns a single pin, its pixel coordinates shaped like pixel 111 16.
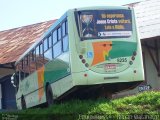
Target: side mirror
pixel 13 80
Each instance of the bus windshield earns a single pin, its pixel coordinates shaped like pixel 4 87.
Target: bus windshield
pixel 99 24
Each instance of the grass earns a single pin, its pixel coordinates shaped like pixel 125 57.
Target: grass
pixel 144 106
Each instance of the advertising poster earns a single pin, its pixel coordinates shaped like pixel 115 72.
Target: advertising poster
pixel 106 23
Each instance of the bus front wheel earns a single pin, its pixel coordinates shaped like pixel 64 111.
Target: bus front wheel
pixel 49 96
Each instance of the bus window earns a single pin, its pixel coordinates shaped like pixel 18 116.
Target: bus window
pixel 26 64
pixel 23 69
pixel 45 44
pixel 33 55
pixel 66 23
pixel 59 33
pixel 54 36
pixel 48 55
pixel 50 41
pixel 57 49
pixel 21 76
pixel 65 43
pixel 32 61
pixel 27 60
pixel 39 56
pixel 20 69
pixel 37 51
pixel 41 49
pixel 64 28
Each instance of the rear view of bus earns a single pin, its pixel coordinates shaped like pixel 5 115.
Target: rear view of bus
pixel 109 50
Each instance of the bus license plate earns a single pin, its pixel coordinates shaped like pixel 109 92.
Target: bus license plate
pixel 110 66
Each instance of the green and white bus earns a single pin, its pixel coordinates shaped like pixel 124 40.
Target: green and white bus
pixel 88 51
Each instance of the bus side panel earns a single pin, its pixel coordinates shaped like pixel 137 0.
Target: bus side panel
pixel 34 97
pixel 61 86
pixel 33 87
pixel 26 88
pixel 57 68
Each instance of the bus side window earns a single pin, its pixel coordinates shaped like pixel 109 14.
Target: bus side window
pixel 22 73
pixel 65 44
pixel 46 46
pixel 64 28
pixel 28 64
pixel 66 23
pixel 41 49
pixel 65 36
pixel 26 68
pixel 59 33
pixel 37 51
pixel 39 56
pixel 57 49
pixel 48 55
pixel 32 61
pixel 50 41
pixel 54 37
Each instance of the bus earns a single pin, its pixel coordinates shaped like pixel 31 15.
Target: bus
pixel 92 51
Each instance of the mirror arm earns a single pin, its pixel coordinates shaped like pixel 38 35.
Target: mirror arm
pixel 14 85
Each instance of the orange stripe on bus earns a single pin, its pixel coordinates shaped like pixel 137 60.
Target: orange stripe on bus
pixel 101 50
pixel 41 82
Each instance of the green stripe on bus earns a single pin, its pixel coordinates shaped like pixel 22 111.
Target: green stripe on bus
pixel 55 70
pixel 122 49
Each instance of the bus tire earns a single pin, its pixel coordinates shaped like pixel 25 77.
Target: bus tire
pixel 49 96
pixel 23 103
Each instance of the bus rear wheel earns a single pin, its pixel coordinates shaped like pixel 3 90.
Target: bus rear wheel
pixel 23 103
pixel 49 96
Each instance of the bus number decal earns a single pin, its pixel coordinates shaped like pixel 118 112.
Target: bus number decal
pixel 121 59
